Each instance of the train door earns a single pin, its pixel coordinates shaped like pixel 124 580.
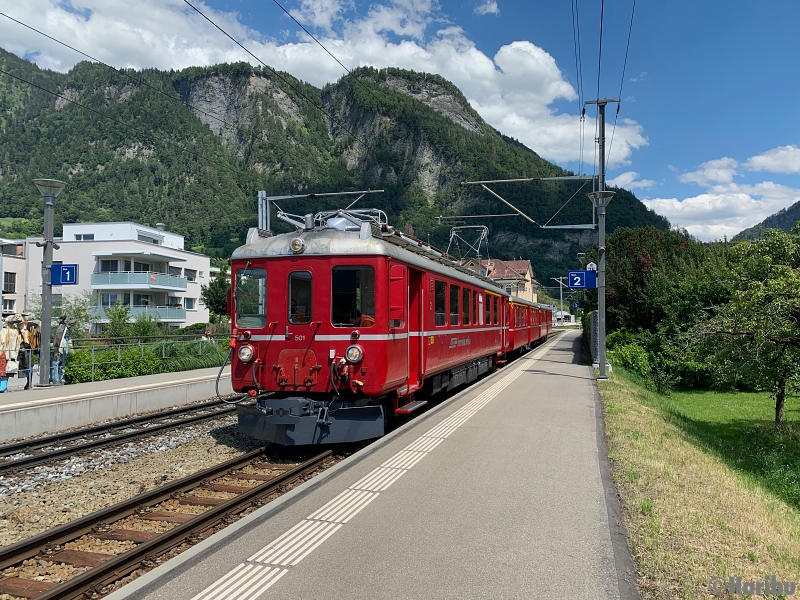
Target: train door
pixel 416 328
pixel 298 366
pixel 397 346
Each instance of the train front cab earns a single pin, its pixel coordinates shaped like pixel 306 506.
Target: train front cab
pixel 321 341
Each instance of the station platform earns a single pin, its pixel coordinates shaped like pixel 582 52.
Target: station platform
pixel 502 491
pixel 25 413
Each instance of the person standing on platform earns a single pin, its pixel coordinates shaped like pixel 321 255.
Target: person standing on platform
pixel 61 347
pixel 9 350
pixel 25 355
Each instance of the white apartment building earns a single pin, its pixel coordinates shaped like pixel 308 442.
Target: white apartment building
pixel 142 267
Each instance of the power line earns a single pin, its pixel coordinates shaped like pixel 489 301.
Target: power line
pixel 599 64
pixel 277 74
pixel 140 81
pixel 622 80
pixel 349 72
pixel 97 112
pixel 576 42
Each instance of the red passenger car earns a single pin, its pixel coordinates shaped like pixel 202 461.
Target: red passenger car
pixel 346 321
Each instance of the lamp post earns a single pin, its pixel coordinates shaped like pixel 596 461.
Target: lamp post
pixel 49 188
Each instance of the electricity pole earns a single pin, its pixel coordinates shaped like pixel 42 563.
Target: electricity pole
pixel 49 188
pixel 600 200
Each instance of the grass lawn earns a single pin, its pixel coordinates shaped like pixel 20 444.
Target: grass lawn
pixel 708 488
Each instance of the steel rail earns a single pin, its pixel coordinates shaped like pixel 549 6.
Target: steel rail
pixel 122 564
pixel 29 547
pixel 68 436
pixel 36 459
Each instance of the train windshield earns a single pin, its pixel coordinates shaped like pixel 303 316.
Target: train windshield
pixel 251 298
pixel 353 301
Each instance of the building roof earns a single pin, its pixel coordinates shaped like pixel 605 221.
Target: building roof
pixel 507 269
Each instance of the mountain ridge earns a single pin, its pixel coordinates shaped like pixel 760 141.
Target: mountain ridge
pixel 198 170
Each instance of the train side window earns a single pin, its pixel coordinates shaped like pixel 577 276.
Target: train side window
pixel 353 296
pixel 251 298
pixel 488 318
pixel 475 307
pixel 454 292
pixel 299 297
pixel 480 310
pixel 494 307
pixel 465 306
pixel 440 299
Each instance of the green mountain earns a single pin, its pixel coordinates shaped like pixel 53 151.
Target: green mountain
pixel 131 151
pixel 784 220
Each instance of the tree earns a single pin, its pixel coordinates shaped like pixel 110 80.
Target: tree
pixel 118 326
pixel 78 306
pixel 755 338
pixel 215 294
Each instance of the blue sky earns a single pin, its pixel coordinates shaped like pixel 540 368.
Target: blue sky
pixel 709 124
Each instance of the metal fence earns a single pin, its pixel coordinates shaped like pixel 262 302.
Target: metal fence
pixel 156 344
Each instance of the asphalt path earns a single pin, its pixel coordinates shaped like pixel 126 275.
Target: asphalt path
pixel 503 491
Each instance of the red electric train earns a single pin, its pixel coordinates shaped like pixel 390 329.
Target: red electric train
pixel 346 322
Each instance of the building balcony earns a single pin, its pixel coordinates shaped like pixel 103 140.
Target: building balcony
pixel 162 314
pixel 137 281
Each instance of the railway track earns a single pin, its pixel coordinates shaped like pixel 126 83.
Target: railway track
pixel 29 453
pixel 143 527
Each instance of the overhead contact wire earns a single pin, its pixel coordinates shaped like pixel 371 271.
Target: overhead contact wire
pixel 100 113
pixel 622 80
pixel 311 35
pixel 140 81
pixel 275 72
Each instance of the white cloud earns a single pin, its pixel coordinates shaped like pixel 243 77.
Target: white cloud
pixel 784 159
pixel 486 8
pixel 716 171
pixel 630 180
pixel 513 90
pixel 320 13
pixel 725 209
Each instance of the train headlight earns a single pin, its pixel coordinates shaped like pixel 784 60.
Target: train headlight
pixel 297 245
pixel 354 353
pixel 246 353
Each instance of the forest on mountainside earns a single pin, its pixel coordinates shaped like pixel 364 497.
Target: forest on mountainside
pixel 131 151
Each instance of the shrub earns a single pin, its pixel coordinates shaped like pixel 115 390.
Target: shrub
pixel 631 357
pixel 619 338
pixel 111 364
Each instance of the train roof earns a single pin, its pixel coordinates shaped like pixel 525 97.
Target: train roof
pixel 367 239
pixel 518 300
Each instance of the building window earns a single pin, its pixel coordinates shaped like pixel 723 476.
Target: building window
pixel 111 300
pixel 142 300
pixel 84 236
pixel 202 275
pixel 9 283
pixel 190 274
pixel 148 239
pixel 188 303
pixel 174 271
pixel 141 267
pixel 109 266
pixel 8 305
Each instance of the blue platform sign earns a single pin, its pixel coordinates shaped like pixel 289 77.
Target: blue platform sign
pixel 576 305
pixel 64 275
pixel 582 280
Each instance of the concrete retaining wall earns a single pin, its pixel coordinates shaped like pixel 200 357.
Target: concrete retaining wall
pixel 49 415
